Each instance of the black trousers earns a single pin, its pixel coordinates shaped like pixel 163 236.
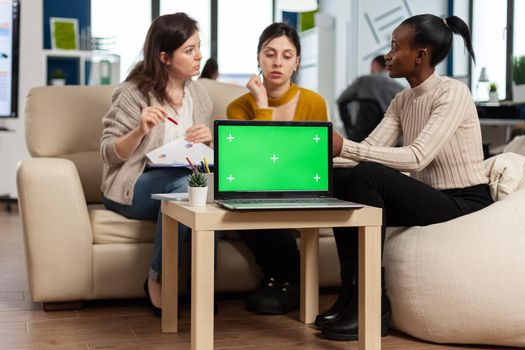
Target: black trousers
pixel 275 252
pixel 404 200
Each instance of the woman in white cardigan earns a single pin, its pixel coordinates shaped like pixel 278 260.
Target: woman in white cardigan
pixel 156 104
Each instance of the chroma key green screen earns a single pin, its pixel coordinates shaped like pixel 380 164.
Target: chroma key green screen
pixel 272 158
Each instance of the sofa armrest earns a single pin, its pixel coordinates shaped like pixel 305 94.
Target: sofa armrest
pixel 57 232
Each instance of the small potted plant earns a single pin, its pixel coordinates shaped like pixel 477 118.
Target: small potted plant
pixel 58 78
pixel 518 78
pixel 197 189
pixel 493 93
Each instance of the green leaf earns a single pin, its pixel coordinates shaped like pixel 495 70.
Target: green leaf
pixel 518 69
pixel 197 180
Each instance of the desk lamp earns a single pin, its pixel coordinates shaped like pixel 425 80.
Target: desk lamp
pixel 483 80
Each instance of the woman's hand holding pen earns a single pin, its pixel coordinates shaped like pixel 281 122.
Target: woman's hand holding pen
pixel 337 141
pixel 198 133
pixel 150 117
pixel 258 91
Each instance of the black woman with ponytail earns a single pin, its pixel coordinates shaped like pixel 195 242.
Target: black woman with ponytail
pixel 442 150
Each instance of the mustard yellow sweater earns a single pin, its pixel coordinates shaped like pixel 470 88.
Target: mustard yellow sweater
pixel 310 106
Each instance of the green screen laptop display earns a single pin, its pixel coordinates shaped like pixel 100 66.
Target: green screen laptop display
pixel 285 157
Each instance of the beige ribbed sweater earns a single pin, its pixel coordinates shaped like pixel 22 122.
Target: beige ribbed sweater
pixel 441 136
pixel 119 176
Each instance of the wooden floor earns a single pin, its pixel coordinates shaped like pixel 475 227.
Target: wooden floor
pixel 128 324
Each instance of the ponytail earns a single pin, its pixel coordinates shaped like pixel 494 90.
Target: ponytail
pixel 436 33
pixel 457 26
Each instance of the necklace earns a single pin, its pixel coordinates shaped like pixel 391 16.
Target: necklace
pixel 176 104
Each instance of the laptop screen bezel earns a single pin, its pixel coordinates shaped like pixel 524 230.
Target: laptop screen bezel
pixel 218 195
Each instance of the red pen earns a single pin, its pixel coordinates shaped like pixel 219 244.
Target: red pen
pixel 172 120
pixel 195 170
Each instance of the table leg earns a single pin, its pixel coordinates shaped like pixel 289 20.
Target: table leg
pixel 309 274
pixel 170 273
pixel 202 288
pixel 369 288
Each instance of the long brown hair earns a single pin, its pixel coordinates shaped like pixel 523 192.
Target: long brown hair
pixel 166 34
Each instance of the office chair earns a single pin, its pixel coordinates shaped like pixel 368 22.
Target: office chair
pixel 360 116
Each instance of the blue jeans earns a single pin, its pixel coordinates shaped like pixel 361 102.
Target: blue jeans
pixel 143 207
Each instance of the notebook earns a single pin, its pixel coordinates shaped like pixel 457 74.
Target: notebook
pixel 274 165
pixel 176 153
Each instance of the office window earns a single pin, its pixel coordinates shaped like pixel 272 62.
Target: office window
pixel 240 24
pixel 490 43
pixel 199 10
pixel 519 28
pixel 125 23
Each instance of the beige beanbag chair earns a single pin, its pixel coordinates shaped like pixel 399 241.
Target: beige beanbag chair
pixel 462 281
pixel 517 145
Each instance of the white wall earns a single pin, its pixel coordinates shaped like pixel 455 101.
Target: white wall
pixel 341 11
pixel 12 144
pixel 363 29
pixel 377 20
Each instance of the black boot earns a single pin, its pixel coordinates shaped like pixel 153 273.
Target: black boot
pixel 282 300
pixel 345 326
pixel 347 290
pixel 266 286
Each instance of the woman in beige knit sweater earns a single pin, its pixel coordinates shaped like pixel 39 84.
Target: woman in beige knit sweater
pixel 441 149
pixel 158 88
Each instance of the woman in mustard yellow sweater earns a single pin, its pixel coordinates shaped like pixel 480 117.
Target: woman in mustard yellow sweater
pixel 276 98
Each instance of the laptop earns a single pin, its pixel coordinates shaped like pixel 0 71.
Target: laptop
pixel 274 165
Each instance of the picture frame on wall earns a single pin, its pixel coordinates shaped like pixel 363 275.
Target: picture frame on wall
pixel 64 33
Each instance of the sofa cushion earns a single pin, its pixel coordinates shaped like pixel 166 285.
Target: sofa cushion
pixel 89 167
pixel 110 227
pixel 63 120
pixel 66 122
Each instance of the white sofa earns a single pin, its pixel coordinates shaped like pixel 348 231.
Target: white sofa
pixel 76 249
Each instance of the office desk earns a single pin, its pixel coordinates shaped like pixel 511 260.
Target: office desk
pixel 205 220
pixel 509 124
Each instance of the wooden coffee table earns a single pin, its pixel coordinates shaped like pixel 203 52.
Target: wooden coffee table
pixel 204 221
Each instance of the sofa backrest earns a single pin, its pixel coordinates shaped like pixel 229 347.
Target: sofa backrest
pixel 221 95
pixel 66 122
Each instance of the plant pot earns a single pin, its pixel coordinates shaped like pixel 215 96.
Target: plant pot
pixel 197 196
pixel 518 93
pixel 493 97
pixel 58 82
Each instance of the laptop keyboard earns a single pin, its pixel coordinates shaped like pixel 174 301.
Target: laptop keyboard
pixel 326 200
